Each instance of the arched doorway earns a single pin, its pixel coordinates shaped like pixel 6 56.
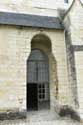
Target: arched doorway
pixel 38 80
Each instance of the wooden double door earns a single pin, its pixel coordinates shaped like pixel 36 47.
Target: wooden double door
pixel 38 96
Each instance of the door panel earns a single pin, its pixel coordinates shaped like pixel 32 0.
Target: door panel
pixel 43 76
pixel 31 76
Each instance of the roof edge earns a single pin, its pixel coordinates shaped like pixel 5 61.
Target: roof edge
pixel 69 9
pixel 81 2
pixel 29 20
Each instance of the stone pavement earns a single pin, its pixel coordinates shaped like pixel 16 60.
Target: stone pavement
pixel 41 118
pixel 57 122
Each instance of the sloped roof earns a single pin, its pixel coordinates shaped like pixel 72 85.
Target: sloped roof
pixel 73 2
pixel 30 20
pixel 81 2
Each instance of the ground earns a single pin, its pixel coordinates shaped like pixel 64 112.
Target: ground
pixel 41 118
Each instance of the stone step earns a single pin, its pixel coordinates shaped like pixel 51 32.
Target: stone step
pixel 56 122
pixel 46 117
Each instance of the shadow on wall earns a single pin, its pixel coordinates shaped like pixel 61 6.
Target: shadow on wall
pixel 54 73
pixel 67 111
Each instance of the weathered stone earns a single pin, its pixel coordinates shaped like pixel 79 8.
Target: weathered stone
pixel 65 53
pixel 12 115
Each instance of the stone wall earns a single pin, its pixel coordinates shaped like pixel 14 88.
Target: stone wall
pixel 49 4
pixel 38 7
pixel 79 71
pixel 15 45
pixel 73 22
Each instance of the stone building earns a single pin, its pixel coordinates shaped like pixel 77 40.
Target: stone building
pixel 41 54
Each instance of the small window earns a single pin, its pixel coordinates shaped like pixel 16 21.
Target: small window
pixel 41 92
pixel 66 1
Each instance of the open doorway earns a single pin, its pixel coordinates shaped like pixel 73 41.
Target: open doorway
pixel 38 80
pixel 38 94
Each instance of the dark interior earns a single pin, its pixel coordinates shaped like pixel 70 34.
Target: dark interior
pixel 32 99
